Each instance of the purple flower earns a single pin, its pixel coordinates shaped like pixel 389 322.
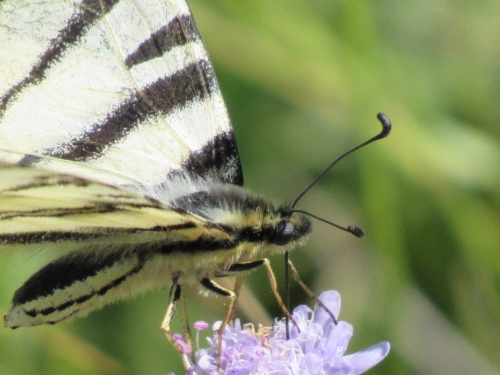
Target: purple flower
pixel 317 347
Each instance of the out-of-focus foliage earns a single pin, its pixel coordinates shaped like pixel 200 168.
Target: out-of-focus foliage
pixel 303 81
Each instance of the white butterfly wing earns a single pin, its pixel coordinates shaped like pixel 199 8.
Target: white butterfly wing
pixel 123 86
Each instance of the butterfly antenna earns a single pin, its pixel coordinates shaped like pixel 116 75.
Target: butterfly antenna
pixel 386 129
pixel 357 231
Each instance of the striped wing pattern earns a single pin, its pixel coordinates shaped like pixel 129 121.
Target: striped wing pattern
pixel 122 86
pixel 43 209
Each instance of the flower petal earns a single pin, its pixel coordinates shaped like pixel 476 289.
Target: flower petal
pixel 330 299
pixel 366 359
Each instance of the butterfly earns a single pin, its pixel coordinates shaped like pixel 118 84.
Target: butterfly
pixel 116 149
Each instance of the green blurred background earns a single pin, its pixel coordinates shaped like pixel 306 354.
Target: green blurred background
pixel 303 81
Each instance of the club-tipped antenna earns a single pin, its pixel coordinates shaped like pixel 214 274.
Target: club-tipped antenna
pixel 386 129
pixel 357 231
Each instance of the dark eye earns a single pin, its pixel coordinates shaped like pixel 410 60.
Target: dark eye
pixel 284 233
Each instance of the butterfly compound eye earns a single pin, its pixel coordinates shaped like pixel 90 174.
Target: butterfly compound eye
pixel 285 232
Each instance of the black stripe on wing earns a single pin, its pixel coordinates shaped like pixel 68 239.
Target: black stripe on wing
pixel 90 12
pixel 180 31
pixel 92 233
pixel 218 159
pixel 160 98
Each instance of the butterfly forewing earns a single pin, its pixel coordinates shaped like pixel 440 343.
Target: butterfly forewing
pixel 123 86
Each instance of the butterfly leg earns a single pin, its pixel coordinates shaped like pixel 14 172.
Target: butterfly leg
pixel 165 326
pixel 247 266
pixel 187 330
pixel 237 287
pixel 308 291
pixel 216 288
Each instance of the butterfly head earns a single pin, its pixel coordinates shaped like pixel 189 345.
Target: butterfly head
pixel 291 228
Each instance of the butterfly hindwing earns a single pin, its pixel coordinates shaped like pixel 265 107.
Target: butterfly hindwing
pixel 44 209
pixel 117 243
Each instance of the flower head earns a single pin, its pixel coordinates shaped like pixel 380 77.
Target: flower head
pixel 316 346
